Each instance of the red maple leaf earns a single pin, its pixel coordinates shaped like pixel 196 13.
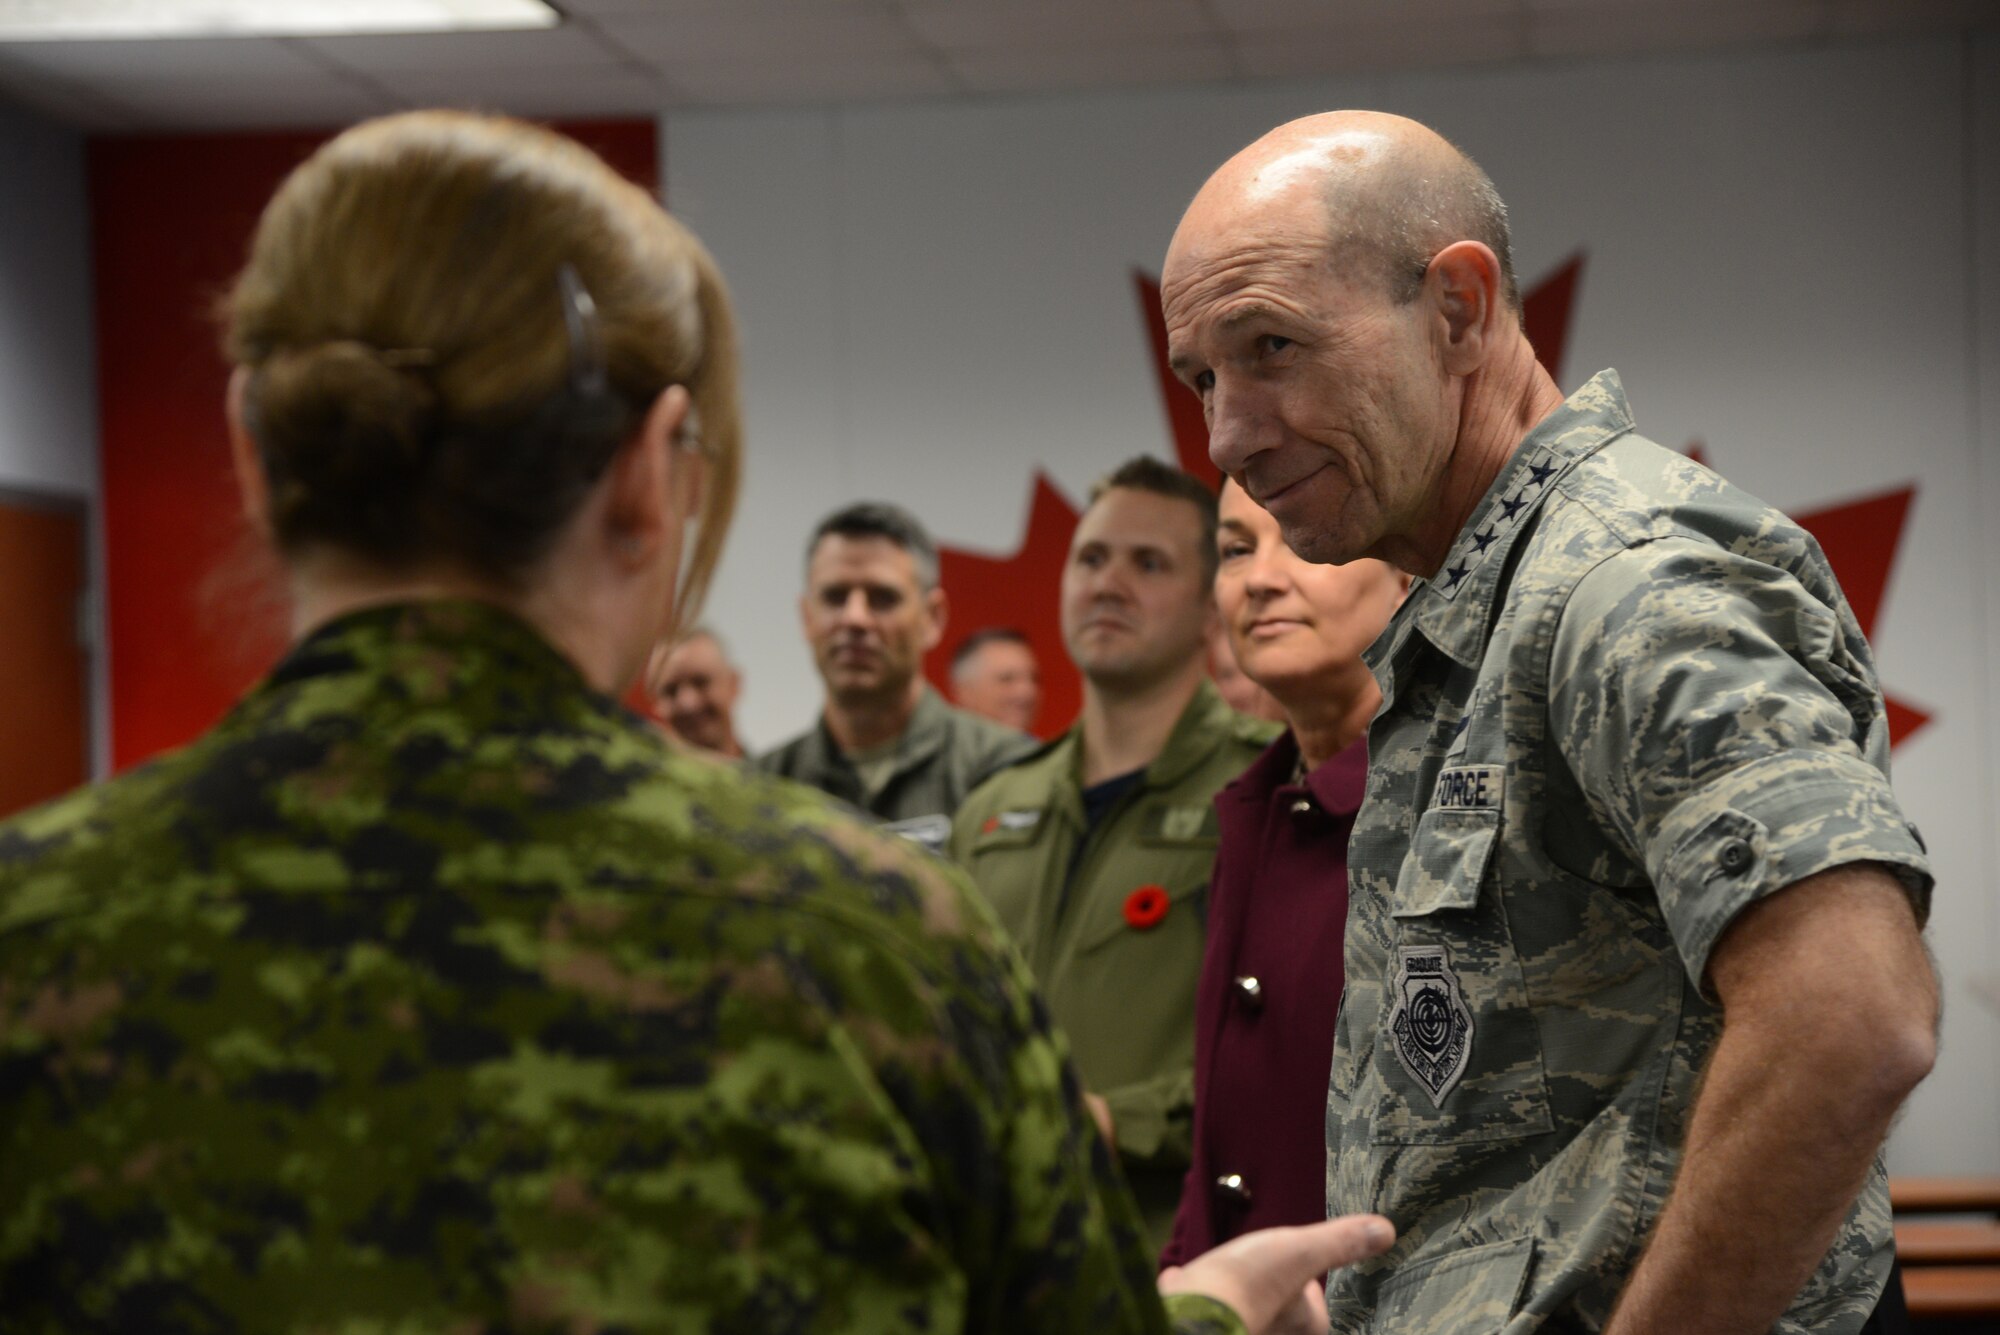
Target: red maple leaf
pixel 1860 538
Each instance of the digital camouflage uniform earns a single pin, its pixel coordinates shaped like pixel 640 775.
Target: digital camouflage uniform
pixel 942 755
pixel 1632 702
pixel 1123 992
pixel 430 992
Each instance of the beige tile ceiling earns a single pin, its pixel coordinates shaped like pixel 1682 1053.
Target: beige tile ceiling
pixel 642 56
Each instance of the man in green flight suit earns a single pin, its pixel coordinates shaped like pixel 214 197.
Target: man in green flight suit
pixel 1096 849
pixel 885 741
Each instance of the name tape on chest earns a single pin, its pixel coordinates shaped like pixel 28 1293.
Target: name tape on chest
pixel 925 831
pixel 1011 822
pixel 1469 788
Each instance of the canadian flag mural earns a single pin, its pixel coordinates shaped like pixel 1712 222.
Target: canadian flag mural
pixel 1860 537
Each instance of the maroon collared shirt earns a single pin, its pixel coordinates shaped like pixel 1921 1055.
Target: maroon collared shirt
pixel 1268 996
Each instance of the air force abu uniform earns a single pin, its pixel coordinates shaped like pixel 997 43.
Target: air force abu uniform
pixel 1111 919
pixel 1632 702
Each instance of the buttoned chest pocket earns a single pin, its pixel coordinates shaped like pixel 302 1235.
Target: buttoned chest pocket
pixel 1457 1053
pixel 1156 892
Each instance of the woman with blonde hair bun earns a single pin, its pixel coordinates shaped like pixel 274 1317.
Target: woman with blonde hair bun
pixel 431 991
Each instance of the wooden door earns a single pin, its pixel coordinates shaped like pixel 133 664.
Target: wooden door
pixel 44 667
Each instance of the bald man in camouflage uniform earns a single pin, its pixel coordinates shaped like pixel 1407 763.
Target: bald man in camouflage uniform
pixel 1634 975
pixel 432 992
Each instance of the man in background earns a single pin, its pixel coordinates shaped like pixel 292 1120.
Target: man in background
pixel 1096 849
pixel 697 687
pixel 994 675
pixel 885 742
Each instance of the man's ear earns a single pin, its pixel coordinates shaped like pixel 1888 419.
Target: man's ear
pixel 939 607
pixel 640 505
pixel 1463 287
pixel 253 485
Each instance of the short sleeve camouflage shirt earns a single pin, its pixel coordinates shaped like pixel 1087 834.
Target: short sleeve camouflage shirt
pixel 431 992
pixel 1632 702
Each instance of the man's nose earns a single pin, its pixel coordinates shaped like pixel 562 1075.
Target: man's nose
pixel 1231 428
pixel 855 607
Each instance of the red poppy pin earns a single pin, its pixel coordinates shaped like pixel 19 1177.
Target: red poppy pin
pixel 1145 907
pixel 992 824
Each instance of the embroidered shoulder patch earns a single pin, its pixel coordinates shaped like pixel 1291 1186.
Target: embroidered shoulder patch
pixel 1430 1027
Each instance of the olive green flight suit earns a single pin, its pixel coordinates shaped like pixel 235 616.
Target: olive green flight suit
pixel 941 757
pixel 1115 933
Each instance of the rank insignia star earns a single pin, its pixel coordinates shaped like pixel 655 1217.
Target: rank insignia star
pixel 1484 540
pixel 1540 472
pixel 1456 573
pixel 1513 507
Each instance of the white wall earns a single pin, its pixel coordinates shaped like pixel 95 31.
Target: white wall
pixel 48 383
pixel 937 300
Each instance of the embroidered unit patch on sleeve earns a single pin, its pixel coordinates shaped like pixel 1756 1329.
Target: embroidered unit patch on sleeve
pixel 1431 1027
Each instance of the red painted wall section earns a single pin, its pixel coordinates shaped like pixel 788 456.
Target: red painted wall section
pixel 194 610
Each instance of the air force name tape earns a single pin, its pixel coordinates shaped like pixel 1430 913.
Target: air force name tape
pixel 1430 1026
pixel 1469 788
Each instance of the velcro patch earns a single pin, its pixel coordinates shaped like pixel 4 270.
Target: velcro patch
pixel 1179 823
pixel 1469 788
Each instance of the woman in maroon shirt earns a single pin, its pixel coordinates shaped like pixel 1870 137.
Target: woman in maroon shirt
pixel 1271 971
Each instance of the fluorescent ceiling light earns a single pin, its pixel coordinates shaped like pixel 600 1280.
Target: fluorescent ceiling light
pixel 71 20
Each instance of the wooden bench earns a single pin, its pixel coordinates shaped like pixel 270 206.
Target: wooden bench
pixel 1934 1242
pixel 1944 1195
pixel 1952 1290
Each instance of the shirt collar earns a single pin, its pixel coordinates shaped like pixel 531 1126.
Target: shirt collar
pixel 433 650
pixel 1454 608
pixel 1200 728
pixel 922 737
pixel 1341 781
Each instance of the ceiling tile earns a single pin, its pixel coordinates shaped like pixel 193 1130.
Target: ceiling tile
pixel 219 59
pixel 764 34
pixel 1870 17
pixel 567 46
pixel 66 102
pixel 955 25
pixel 1089 66
pixel 605 91
pixel 1384 46
pixel 863 80
pixel 1583 29
pixel 1292 17
pixel 206 105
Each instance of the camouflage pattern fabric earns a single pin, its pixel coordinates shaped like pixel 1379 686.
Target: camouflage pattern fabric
pixel 1632 702
pixel 430 992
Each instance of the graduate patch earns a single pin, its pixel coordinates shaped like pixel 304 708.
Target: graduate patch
pixel 1431 1029
pixel 1469 788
